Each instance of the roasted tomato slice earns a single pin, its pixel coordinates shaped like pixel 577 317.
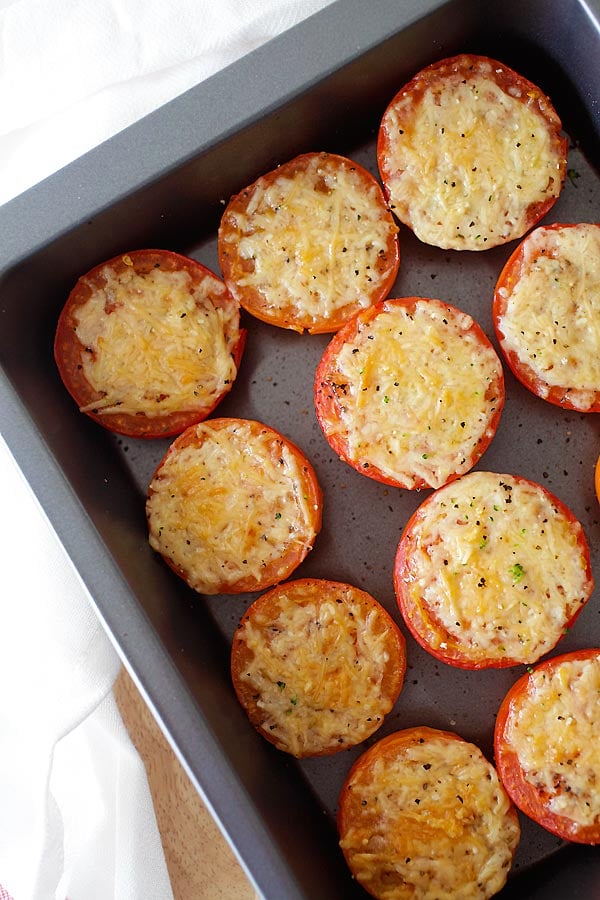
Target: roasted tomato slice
pixel 309 243
pixel 410 392
pixel 547 314
pixel 546 745
pixel 317 665
pixel 148 343
pixel 424 814
pixel 491 571
pixel 471 154
pixel 234 506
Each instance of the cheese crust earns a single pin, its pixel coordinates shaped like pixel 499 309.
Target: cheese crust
pixel 470 154
pixel 553 729
pixel 317 665
pixel 547 314
pixel 491 570
pixel 233 506
pixel 424 815
pixel 149 339
pixel 410 392
pixel 308 244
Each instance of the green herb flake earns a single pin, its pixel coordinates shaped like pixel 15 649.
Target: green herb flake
pixel 517 571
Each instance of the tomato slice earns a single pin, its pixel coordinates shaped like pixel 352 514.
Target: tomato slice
pixel 547 314
pixel 470 153
pixel 317 665
pixel 597 479
pixel 234 506
pixel 149 343
pixel 409 392
pixel 424 814
pixel 491 571
pixel 309 243
pixel 546 745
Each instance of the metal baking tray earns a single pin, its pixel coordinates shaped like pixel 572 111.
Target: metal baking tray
pixel 162 183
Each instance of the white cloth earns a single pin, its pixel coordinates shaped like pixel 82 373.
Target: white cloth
pixel 76 816
pixel 74 72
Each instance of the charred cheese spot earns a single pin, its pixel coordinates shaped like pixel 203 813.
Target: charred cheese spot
pixel 551 319
pixel 553 729
pixel 230 506
pixel 157 342
pixel 322 665
pixel 310 240
pixel 466 157
pixel 494 569
pixel 418 392
pixel 428 819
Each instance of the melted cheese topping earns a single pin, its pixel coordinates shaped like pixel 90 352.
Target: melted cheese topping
pixel 498 566
pixel 435 823
pixel 318 669
pixel 226 509
pixel 156 343
pixel 554 732
pixel 469 161
pixel 316 240
pixel 413 389
pixel 552 318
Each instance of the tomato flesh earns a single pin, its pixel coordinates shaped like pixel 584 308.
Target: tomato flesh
pixel 199 393
pixel 530 794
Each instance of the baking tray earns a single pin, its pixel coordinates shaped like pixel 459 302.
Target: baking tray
pixel 162 183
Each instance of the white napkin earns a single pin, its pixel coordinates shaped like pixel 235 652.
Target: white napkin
pixel 74 72
pixel 76 816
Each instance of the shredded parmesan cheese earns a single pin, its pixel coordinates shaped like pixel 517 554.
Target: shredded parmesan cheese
pixel 156 343
pixel 228 506
pixel 417 392
pixel 554 732
pixel 497 565
pixel 466 160
pixel 434 823
pixel 552 316
pixel 317 668
pixel 314 237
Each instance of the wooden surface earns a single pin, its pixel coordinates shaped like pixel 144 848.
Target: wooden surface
pixel 200 862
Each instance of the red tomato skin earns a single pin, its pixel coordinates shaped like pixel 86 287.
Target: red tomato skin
pixel 424 629
pixel 387 747
pixel 326 403
pixel 417 624
pixel 392 682
pixel 510 274
pixel 508 78
pixel 67 351
pixel 251 300
pixel 314 496
pixel 523 794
